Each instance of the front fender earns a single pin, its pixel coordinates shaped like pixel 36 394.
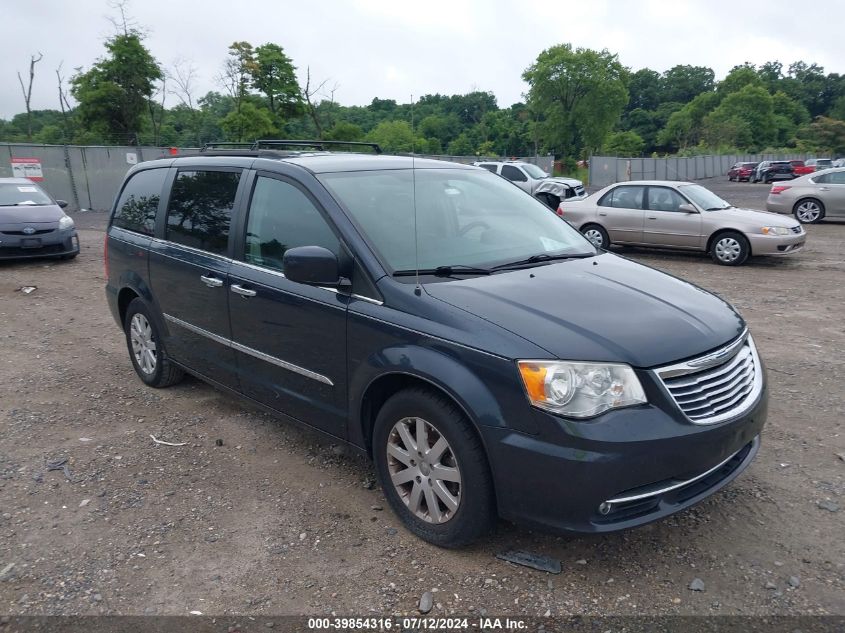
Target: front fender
pixel 482 385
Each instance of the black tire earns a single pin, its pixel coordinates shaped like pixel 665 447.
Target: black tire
pixel 164 373
pixel 730 248
pixel 803 209
pixel 475 515
pixel 597 232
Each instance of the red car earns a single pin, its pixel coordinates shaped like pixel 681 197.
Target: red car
pixel 800 169
pixel 742 171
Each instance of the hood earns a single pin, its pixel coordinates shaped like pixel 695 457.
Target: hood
pixel 753 218
pixel 603 308
pixel 30 213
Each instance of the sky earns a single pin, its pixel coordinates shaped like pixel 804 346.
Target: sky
pixel 393 49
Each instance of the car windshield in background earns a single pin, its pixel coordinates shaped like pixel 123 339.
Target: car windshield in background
pixel 535 172
pixel 464 218
pixel 704 198
pixel 17 195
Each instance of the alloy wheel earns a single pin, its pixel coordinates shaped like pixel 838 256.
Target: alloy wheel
pixel 808 211
pixel 728 249
pixel 424 470
pixel 143 344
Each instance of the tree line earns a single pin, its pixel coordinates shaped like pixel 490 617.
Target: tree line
pixel 579 102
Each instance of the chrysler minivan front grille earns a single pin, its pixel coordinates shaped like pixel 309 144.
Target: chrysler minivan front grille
pixel 717 386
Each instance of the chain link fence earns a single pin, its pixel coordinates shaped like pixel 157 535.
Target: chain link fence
pixel 88 177
pixel 605 170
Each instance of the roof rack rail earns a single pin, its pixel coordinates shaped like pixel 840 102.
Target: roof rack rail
pixel 226 145
pixel 318 145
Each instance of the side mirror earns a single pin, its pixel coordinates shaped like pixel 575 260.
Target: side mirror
pixel 62 203
pixel 313 265
pixel 686 207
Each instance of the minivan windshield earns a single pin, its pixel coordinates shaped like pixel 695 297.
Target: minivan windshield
pixel 20 195
pixel 535 172
pixel 704 198
pixel 465 218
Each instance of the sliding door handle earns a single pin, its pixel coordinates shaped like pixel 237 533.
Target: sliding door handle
pixel 240 290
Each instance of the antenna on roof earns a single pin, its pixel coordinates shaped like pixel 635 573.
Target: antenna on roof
pixel 418 289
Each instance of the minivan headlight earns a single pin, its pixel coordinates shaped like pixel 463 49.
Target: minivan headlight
pixel 580 390
pixel 66 222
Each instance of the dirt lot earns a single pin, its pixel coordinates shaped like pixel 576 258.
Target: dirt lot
pixel 276 521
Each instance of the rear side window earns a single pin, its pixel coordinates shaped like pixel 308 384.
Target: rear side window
pixel 624 197
pixel 282 217
pixel 136 209
pixel 513 173
pixel 489 167
pixel 200 209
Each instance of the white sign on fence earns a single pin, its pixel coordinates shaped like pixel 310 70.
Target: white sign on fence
pixel 27 168
pixel 132 158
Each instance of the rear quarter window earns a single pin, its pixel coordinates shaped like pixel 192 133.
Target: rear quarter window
pixel 136 209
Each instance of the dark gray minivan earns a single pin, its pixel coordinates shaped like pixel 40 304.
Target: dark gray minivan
pixel 489 359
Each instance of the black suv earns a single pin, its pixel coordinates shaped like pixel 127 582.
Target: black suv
pixel 771 170
pixel 488 357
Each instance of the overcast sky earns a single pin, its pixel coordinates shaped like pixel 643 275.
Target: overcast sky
pixel 394 48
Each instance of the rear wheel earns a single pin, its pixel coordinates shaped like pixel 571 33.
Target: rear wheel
pixel 597 235
pixel 146 350
pixel 730 249
pixel 433 469
pixel 808 211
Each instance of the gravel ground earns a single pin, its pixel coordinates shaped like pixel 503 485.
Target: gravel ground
pixel 277 521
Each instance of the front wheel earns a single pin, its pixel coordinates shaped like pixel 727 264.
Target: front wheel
pixel 730 249
pixel 433 469
pixel 597 235
pixel 146 349
pixel 808 211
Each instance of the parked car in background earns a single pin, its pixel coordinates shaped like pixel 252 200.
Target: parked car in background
pixel 680 215
pixel 800 168
pixel 742 171
pixel 771 170
pixel 33 224
pixel 812 197
pixel 548 189
pixel 413 309
pixel 819 163
pixel 839 162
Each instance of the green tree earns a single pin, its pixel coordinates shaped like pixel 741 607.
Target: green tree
pixel 624 144
pixel 747 114
pixel 580 94
pixel 113 94
pixel 342 131
pixel 824 136
pixel 683 83
pixel 395 136
pixel 274 75
pixel 644 89
pixel 249 123
pixel 738 78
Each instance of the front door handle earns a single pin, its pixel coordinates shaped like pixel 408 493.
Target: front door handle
pixel 211 281
pixel 652 217
pixel 240 290
pixel 824 188
pixel 602 213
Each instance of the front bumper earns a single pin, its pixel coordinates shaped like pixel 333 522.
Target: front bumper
pixel 53 244
pixel 776 244
pixel 632 458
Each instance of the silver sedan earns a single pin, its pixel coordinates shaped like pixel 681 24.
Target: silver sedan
pixel 680 215
pixel 812 197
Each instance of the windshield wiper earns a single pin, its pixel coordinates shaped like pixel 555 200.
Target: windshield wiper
pixel 727 206
pixel 542 257
pixel 444 271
